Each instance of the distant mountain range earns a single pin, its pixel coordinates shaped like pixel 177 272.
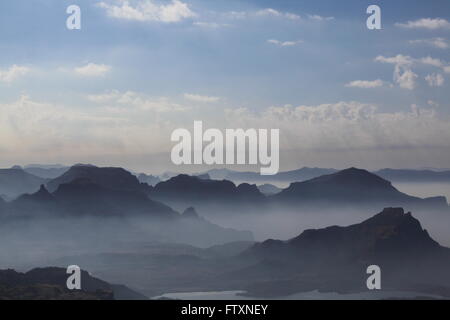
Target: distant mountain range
pixel 50 284
pixel 87 188
pixel 184 191
pixel 348 188
pixel 269 189
pixel 305 173
pixel 352 187
pixel 112 193
pixel 14 182
pixel 254 177
pixel 148 179
pixel 398 175
pixel 46 171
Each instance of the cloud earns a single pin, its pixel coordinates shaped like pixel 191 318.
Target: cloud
pixel 92 70
pixel 319 18
pixel 403 74
pixel 276 13
pixel 119 128
pixel 211 25
pixel 12 73
pixel 148 10
pixel 284 43
pixel 347 126
pixel 200 98
pixel 439 43
pixel 405 77
pixel 39 130
pixel 130 101
pixel 432 62
pixel 426 23
pixel 365 84
pixel 397 60
pixel 435 80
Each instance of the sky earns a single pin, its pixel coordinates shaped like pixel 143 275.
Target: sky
pixel 111 93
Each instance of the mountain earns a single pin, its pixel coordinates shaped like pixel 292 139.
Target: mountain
pixel 112 178
pixel 332 259
pixel 286 176
pixel 269 189
pixel 352 187
pixel 50 284
pixel 401 175
pixel 336 258
pixel 97 210
pixel 82 197
pixel 184 191
pixel 148 179
pixel 391 233
pixel 305 173
pixel 46 171
pixel 14 182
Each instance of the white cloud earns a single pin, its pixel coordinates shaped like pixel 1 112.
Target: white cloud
pixel 275 13
pixel 435 80
pixel 38 130
pixel 211 25
pixel 397 60
pixel 432 62
pixel 405 77
pixel 120 129
pixel 426 23
pixel 130 101
pixel 347 126
pixel 365 84
pixel 148 10
pixel 104 97
pixel 92 70
pixel 284 43
pixel 403 74
pixel 439 43
pixel 200 98
pixel 319 18
pixel 12 73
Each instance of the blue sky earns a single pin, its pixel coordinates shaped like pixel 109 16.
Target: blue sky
pixel 311 68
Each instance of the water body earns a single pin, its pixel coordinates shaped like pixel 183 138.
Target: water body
pixel 313 295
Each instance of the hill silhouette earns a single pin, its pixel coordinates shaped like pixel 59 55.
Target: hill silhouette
pixel 352 187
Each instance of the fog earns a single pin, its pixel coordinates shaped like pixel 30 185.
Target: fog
pixel 25 244
pixel 424 189
pixel 129 249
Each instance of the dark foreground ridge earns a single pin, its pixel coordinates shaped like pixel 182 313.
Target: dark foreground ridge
pixel 50 284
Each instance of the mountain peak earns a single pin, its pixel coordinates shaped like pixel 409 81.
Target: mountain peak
pixel 42 195
pixel 347 186
pixel 113 178
pixel 190 213
pixel 390 231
